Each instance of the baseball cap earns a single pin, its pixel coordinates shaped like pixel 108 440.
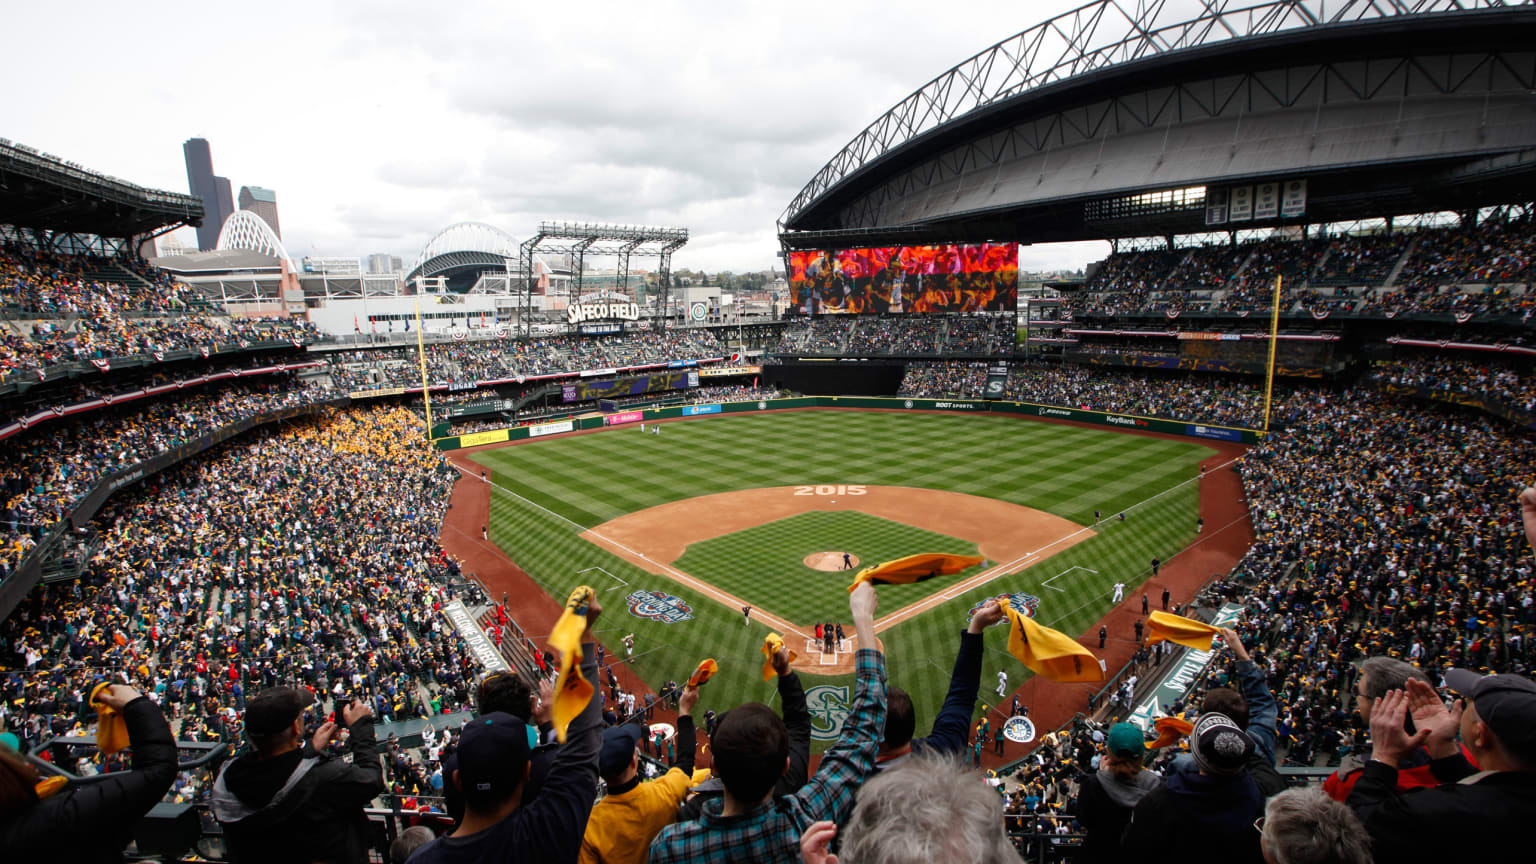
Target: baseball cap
pixel 1220 747
pixel 618 748
pixel 493 748
pixel 1505 703
pixel 1126 740
pixel 274 709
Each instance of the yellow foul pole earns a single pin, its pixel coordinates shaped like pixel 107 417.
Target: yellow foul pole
pixel 421 360
pixel 1274 332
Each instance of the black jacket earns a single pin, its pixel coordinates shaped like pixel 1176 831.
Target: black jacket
pixel 550 828
pixel 301 806
pixel 1209 818
pixel 1488 811
pixel 94 821
pixel 1104 805
pixel 797 719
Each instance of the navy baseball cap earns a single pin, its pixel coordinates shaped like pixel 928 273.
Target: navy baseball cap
pixel 619 744
pixel 493 750
pixel 275 709
pixel 1505 703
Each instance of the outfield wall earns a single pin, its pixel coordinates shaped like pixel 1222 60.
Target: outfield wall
pixel 958 406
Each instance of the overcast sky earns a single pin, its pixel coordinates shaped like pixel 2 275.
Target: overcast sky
pixel 380 123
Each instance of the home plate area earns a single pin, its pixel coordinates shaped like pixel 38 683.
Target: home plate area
pixel 780 549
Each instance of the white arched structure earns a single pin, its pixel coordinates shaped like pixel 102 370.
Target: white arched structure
pixel 464 244
pixel 246 231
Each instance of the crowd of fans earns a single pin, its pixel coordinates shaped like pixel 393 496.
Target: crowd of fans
pixel 899 335
pixel 1505 382
pixel 61 315
pixel 1201 398
pixel 1442 270
pixel 499 359
pixel 44 473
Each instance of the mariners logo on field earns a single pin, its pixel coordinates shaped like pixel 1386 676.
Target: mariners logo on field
pixel 907 404
pixel 656 606
pixel 762 406
pixel 1029 604
pixel 1020 730
pixel 829 708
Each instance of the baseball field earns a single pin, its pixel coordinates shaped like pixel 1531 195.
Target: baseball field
pixel 678 531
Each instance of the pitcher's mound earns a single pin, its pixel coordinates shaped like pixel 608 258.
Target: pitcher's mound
pixel 828 560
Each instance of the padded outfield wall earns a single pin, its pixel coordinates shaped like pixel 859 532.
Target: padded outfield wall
pixel 1027 409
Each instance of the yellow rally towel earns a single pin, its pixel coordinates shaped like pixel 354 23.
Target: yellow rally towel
pixel 1049 652
pixel 111 728
pixel 915 568
pixel 771 645
pixel 699 775
pixel 572 692
pixel 706 671
pixel 48 786
pixel 1167 627
pixel 1169 731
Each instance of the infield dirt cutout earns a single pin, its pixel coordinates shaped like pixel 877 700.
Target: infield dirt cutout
pixel 1010 536
pixel 828 561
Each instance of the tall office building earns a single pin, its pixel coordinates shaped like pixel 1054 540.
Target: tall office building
pixel 218 202
pixel 381 262
pixel 262 202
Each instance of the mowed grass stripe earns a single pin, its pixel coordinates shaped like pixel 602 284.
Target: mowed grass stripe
pixel 764 565
pixel 1066 470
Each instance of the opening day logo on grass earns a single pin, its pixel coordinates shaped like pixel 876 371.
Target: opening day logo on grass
pixel 656 606
pixel 829 708
pixel 1029 603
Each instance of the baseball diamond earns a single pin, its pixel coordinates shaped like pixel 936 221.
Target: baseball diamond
pixel 717 494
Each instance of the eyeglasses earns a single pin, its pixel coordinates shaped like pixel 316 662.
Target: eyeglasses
pixel 1258 824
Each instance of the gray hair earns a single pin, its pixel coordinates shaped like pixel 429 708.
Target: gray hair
pixel 409 841
pixel 1382 675
pixel 1305 826
pixel 929 808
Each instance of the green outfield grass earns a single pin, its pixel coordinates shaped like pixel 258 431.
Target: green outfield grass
pixel 555 489
pixel 764 565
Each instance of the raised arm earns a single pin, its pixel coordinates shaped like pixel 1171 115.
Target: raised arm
pixel 797 720
pixel 951 727
pixel 829 795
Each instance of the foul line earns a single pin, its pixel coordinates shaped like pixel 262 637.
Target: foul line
pixel 676 575
pixel 1018 564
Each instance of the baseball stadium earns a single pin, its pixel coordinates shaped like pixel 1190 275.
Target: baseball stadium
pixel 1231 531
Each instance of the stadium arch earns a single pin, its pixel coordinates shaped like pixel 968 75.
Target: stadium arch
pixel 464 250
pixel 247 232
pixel 1061 131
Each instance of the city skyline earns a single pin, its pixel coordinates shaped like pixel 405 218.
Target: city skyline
pixel 398 124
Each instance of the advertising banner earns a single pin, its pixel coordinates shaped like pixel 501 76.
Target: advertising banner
pixel 475 439
pixel 947 278
pixel 1216 432
pixel 626 417
pixel 722 371
pixel 550 428
pixel 695 410
pixel 475 640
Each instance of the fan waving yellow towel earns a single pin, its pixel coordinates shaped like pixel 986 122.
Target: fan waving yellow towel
pixel 1049 652
pixel 1167 627
pixel 706 671
pixel 1169 731
pixel 111 728
pixel 771 646
pixel 914 568
pixel 572 692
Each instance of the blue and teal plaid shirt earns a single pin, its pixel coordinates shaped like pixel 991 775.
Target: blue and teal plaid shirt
pixel 771 833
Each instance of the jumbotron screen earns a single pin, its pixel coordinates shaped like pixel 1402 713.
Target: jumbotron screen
pixel 975 277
